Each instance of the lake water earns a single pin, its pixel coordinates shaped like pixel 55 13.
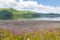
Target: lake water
pixel 44 18
pixel 48 19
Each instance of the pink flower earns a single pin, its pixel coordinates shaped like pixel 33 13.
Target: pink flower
pixel 17 31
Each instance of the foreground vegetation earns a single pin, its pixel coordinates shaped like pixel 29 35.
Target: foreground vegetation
pixel 50 34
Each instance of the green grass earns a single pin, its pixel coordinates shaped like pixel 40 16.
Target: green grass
pixel 35 35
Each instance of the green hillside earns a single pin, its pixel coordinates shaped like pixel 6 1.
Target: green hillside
pixel 9 13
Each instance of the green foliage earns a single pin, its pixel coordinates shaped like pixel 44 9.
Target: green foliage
pixel 10 35
pixel 5 14
pixel 9 13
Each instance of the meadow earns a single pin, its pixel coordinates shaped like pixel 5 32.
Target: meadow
pixel 45 30
pixel 37 34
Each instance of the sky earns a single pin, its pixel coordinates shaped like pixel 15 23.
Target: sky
pixel 40 6
pixel 49 2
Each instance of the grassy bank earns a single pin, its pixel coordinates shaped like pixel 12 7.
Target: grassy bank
pixel 49 34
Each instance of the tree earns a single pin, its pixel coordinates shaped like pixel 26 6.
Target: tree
pixel 5 14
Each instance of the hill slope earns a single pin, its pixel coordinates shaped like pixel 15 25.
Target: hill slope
pixel 9 13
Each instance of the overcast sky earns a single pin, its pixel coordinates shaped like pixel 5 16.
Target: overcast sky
pixel 41 6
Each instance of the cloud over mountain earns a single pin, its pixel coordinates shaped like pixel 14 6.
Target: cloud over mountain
pixel 28 5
